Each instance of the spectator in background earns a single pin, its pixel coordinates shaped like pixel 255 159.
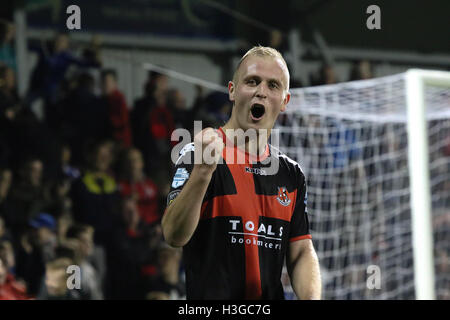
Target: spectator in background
pixel 117 109
pixel 91 285
pixel 161 125
pixel 361 70
pixel 64 222
pixel 10 289
pixel 133 182
pixel 95 194
pixel 176 102
pixel 343 143
pixel 84 117
pixel 67 170
pixel 9 100
pixel 92 52
pixel 60 187
pixel 21 133
pixel 28 196
pixel 44 229
pixel 126 267
pixel 277 40
pixel 326 75
pixel 9 108
pixel 216 110
pixel 155 91
pixel 4 236
pixel 167 283
pixel 50 71
pixel 66 249
pixel 56 277
pixel 5 185
pixel 183 116
pixel 7 254
pixel 71 247
pixel 36 247
pixel 7 54
pixel 131 217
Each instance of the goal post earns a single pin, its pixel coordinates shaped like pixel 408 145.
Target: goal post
pixel 376 155
pixel 419 174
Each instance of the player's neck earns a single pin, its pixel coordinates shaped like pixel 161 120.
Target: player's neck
pixel 254 141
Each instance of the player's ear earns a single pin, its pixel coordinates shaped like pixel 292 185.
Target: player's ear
pixel 231 90
pixel 286 100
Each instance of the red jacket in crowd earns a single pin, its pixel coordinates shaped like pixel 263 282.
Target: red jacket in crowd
pixel 119 118
pixel 147 198
pixel 13 290
pixel 161 123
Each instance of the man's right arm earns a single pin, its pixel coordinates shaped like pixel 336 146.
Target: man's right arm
pixel 182 215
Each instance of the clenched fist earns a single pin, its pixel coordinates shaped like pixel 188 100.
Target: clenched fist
pixel 208 149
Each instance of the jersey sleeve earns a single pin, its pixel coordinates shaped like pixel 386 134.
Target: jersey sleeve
pixel 182 172
pixel 299 228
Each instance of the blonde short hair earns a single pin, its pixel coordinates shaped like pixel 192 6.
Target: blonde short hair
pixel 264 52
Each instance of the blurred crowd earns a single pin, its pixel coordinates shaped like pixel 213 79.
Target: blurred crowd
pixel 84 181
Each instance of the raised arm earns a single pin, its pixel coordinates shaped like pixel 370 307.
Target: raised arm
pixel 182 215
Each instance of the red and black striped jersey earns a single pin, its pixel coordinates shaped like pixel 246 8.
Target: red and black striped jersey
pixel 249 215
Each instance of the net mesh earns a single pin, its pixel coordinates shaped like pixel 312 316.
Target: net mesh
pixel 351 141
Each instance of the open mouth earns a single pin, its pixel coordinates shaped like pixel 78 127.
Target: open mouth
pixel 257 111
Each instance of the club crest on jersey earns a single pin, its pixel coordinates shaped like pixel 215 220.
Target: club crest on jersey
pixel 283 197
pixel 180 177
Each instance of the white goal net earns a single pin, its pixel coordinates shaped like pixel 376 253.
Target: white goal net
pixel 351 141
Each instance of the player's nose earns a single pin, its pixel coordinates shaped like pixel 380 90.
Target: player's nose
pixel 261 91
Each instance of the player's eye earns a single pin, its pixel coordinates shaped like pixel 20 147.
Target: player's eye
pixel 251 81
pixel 273 85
